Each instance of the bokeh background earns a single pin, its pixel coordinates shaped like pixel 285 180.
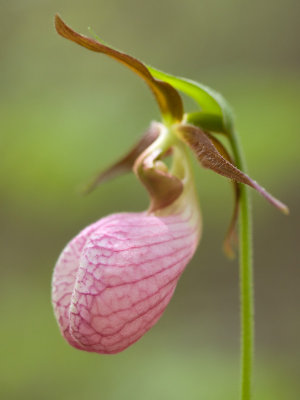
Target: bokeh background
pixel 67 112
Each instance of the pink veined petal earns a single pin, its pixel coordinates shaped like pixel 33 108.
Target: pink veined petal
pixel 114 280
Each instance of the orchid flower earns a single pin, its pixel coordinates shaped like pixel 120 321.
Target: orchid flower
pixel 114 280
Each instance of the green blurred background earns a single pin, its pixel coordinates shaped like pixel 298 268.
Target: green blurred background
pixel 67 112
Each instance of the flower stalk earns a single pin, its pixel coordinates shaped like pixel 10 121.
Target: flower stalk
pixel 246 277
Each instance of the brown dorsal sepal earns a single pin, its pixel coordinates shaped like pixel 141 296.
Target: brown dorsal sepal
pixel 167 97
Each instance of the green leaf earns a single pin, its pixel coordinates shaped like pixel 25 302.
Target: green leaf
pixel 206 121
pixel 211 102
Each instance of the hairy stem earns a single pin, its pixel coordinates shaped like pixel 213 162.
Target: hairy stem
pixel 246 277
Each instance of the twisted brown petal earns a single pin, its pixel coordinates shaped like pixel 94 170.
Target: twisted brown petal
pixel 210 158
pixel 231 236
pixel 126 163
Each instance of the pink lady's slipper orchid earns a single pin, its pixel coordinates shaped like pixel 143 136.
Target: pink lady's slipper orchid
pixel 114 280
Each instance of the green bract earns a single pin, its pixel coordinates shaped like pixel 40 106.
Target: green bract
pixel 215 114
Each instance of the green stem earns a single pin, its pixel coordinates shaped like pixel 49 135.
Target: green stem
pixel 246 278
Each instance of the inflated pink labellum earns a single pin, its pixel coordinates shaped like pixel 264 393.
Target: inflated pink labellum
pixel 114 280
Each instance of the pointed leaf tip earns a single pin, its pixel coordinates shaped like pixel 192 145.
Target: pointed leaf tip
pixel 167 97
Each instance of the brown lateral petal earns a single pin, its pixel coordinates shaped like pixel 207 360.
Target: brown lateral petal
pixel 231 238
pixel 210 158
pixel 126 163
pixel 166 96
pixel 163 187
